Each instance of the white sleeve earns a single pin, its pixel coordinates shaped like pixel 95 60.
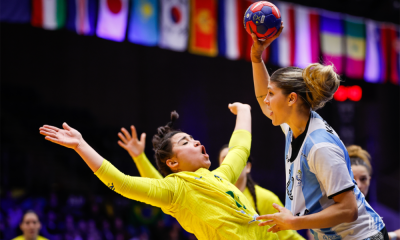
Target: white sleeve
pixel 285 128
pixel 327 162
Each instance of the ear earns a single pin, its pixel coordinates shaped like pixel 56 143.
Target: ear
pixel 292 98
pixel 248 167
pixel 173 164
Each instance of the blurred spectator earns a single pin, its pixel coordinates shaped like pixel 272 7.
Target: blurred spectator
pixel 30 227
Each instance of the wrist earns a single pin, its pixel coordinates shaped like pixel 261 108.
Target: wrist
pixel 256 58
pixel 81 144
pixel 136 157
pixel 294 223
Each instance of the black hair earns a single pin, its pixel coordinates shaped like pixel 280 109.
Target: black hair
pixel 27 212
pixel 162 144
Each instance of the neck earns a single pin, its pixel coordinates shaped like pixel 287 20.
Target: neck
pixel 298 122
pixel 30 237
pixel 241 184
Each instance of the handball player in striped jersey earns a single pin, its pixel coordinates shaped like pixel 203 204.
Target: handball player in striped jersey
pixel 321 193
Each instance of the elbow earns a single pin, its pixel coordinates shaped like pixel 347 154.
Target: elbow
pixel 352 214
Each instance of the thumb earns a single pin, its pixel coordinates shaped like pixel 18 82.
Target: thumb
pixel 143 137
pixel 254 37
pixel 66 126
pixel 277 207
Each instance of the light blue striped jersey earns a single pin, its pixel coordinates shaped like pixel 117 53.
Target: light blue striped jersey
pixel 321 171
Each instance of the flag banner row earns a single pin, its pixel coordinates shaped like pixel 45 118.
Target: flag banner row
pixel 358 48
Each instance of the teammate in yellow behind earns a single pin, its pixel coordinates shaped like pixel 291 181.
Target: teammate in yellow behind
pixel 30 227
pixel 260 198
pixel 205 203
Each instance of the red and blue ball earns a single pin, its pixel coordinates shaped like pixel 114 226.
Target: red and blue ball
pixel 263 18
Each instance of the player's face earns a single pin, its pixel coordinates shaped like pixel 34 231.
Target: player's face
pixel 30 226
pixel 362 178
pixel 277 103
pixel 189 153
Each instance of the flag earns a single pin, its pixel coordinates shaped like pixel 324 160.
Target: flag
pixel 306 36
pixel 376 52
pixel 355 47
pixel 174 24
pixel 231 32
pixel 15 11
pixel 203 29
pixel 332 41
pixel 283 48
pixel 112 20
pixel 81 16
pixel 143 23
pixel 394 53
pixel 48 14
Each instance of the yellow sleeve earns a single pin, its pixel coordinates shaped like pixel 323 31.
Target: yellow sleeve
pixel 265 199
pixel 146 169
pixel 156 192
pixel 236 159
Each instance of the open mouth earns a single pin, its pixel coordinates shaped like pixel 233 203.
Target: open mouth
pixel 203 151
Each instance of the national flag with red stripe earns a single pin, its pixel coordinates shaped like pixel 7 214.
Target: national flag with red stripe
pixel 203 28
pixel 48 14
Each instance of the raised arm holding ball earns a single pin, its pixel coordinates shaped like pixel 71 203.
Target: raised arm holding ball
pixel 321 193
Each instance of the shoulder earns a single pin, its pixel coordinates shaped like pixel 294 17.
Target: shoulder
pixel 266 195
pixel 19 238
pixel 42 238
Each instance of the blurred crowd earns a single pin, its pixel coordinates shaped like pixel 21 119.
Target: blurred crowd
pixel 79 217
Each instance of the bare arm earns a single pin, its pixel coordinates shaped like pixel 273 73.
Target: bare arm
pixel 260 73
pixel 71 138
pixel 344 210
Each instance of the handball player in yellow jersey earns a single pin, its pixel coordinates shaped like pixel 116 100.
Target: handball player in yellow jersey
pixel 205 203
pixel 261 199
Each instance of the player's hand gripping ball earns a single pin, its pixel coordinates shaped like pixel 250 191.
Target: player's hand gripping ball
pixel 263 18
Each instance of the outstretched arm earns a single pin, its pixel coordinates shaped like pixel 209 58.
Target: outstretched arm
pixel 239 145
pixel 156 192
pixel 260 73
pixel 71 138
pixel 135 148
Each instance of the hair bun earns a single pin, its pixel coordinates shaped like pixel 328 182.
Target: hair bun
pixel 174 117
pixel 322 82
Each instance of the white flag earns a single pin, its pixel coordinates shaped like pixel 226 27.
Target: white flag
pixel 112 20
pixel 174 24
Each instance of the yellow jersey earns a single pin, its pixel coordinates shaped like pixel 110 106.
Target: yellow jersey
pixel 265 199
pixel 23 238
pixel 205 203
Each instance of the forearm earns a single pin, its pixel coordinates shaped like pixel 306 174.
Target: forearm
pixel 243 119
pixel 156 192
pixel 146 169
pixel 89 155
pixel 329 217
pixel 261 81
pixel 260 78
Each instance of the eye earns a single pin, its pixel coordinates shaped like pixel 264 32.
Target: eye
pixel 363 179
pixel 270 93
pixel 185 143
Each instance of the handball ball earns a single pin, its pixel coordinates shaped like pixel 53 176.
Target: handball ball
pixel 263 18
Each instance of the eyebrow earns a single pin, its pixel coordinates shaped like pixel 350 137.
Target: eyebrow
pixel 185 137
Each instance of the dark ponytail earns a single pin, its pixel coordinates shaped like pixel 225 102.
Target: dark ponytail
pixel 251 185
pixel 162 144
